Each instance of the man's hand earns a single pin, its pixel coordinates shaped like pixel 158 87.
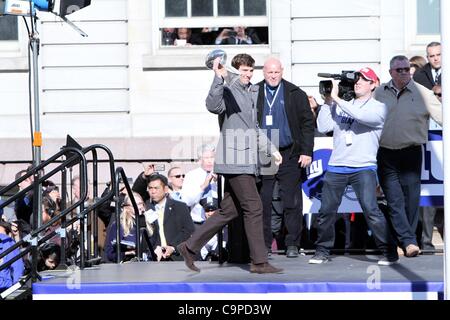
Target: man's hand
pixel 149 169
pixel 210 177
pixel 167 251
pixel 304 161
pixel 219 69
pixel 335 92
pixel 208 214
pixel 278 157
pixel 159 253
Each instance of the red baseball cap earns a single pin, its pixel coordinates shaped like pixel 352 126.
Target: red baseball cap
pixel 369 74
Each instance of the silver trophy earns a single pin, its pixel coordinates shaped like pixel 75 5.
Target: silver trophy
pixel 213 55
pixel 216 53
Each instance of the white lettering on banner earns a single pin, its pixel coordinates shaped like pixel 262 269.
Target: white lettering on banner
pixel 315 169
pixel 425 175
pixel 437 170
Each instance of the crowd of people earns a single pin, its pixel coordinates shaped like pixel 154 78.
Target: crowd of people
pixel 266 139
pixel 212 36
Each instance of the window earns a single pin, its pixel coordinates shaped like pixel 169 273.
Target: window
pixel 428 17
pixel 422 24
pixel 206 21
pixel 214 8
pixel 8 28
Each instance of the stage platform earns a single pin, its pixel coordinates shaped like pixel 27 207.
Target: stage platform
pixel 352 277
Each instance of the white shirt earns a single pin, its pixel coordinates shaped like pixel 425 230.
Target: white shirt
pixel 192 193
pixel 435 73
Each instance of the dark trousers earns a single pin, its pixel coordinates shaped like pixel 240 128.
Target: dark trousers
pixel 240 194
pixel 364 184
pixel 431 216
pixel 288 177
pixel 399 174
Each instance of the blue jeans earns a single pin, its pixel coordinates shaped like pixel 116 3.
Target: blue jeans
pixel 364 184
pixel 399 173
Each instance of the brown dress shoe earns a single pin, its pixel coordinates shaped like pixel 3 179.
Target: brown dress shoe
pixel 264 268
pixel 187 256
pixel 412 250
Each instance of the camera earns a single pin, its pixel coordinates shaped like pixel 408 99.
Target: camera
pixel 232 34
pixel 209 204
pixel 346 84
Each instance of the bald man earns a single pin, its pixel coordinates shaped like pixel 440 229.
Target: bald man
pixel 284 111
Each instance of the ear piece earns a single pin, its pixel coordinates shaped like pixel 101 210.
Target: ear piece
pixel 52 207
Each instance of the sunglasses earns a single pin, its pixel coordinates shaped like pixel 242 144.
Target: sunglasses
pixel 438 95
pixel 178 176
pixel 402 70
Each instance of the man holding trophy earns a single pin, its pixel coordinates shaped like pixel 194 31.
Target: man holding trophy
pixel 233 98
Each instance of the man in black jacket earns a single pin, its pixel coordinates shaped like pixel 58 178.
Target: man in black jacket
pixel 170 219
pixel 430 74
pixel 284 111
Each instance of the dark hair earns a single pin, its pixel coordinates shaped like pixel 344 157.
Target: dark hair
pixel 160 177
pixel 6 225
pixel 397 58
pixel 48 250
pixel 433 44
pixel 49 189
pixel 242 59
pixel 50 206
pixel 23 227
pixel 20 174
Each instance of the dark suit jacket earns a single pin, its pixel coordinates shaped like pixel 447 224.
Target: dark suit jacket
pixel 140 186
pixel 178 225
pixel 299 114
pixel 425 77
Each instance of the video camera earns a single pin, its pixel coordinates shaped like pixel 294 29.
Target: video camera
pixel 346 84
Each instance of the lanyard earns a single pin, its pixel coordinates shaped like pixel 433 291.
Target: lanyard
pixel 270 104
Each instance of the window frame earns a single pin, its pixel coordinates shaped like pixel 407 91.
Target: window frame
pixel 14 52
pixel 192 57
pixel 415 42
pixel 160 21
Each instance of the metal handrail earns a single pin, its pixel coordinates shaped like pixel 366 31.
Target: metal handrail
pixel 33 237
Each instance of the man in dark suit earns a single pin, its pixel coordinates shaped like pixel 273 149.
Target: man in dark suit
pixel 430 74
pixel 170 219
pixel 284 111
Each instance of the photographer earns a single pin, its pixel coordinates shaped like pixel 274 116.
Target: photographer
pixel 200 193
pixel 356 126
pixel 237 35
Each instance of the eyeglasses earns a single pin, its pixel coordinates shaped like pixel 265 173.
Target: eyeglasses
pixel 438 94
pixel 178 176
pixel 402 70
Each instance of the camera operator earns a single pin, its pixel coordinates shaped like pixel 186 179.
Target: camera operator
pixel 356 126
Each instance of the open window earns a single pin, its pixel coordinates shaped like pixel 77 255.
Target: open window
pixel 213 22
